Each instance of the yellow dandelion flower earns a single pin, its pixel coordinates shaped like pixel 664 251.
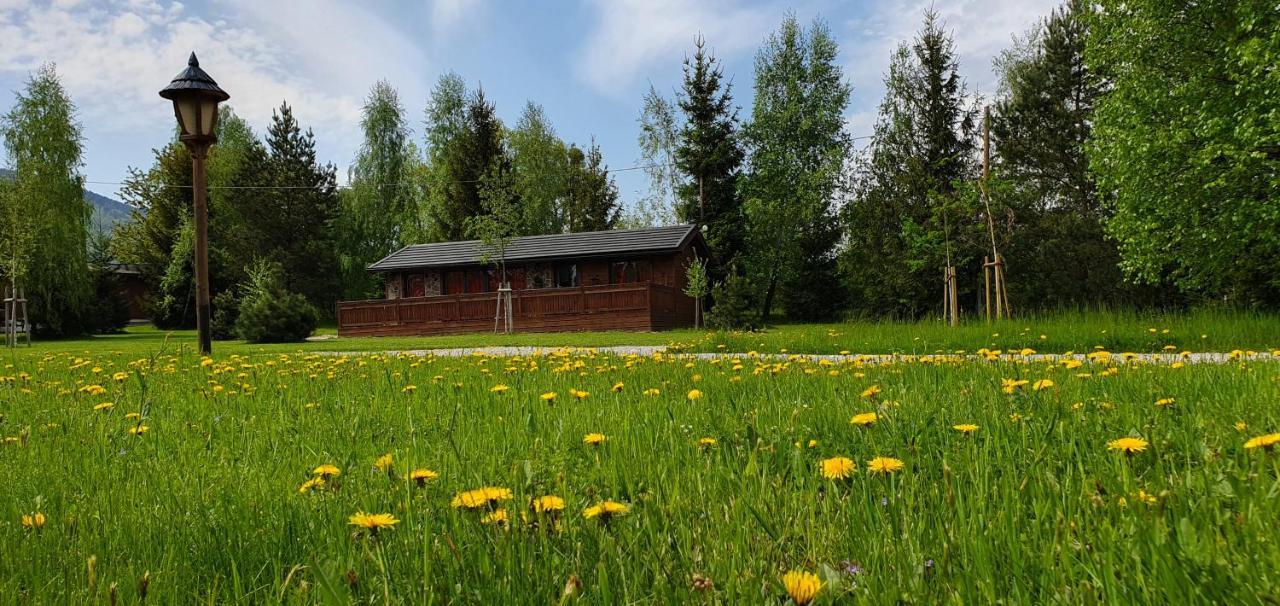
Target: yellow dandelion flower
pixel 605 510
pixel 498 517
pixel 548 504
pixel 105 406
pixel 1165 402
pixel 138 430
pixel 1241 426
pixel 373 522
pixel 965 428
pixel 1042 384
pixel 652 392
pixel 422 475
pixel 1267 441
pixel 884 465
pixel 1128 445
pixel 499 389
pixel 593 439
pixel 326 471
pixel 550 396
pixel 315 483
pixel 409 389
pixel 866 418
pixel 1012 385
pixel 384 462
pixel 34 521
pixel 480 497
pixel 694 394
pixel 801 586
pixel 837 468
pixel 617 387
pixel 870 392
pixel 706 442
pixel 579 394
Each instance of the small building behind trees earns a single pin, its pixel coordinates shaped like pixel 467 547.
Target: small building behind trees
pixel 630 279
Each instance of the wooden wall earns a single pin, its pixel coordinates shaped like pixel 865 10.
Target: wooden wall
pixel 656 304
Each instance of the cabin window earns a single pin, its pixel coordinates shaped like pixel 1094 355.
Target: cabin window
pixel 540 275
pixel 566 275
pixel 623 272
pixel 417 285
pixel 454 283
pixel 477 281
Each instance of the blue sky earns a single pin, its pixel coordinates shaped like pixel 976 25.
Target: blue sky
pixel 588 62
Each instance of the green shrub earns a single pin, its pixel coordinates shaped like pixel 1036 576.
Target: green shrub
pixel 736 305
pixel 226 310
pixel 271 314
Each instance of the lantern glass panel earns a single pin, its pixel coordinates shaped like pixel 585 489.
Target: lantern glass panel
pixel 208 116
pixel 187 118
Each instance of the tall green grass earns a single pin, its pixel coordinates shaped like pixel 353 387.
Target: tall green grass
pixel 1064 331
pixel 1032 508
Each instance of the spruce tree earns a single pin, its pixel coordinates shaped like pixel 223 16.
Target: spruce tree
pixel 1040 124
pixel 709 157
pixel 592 198
pixel 922 149
pixel 296 228
pixel 466 144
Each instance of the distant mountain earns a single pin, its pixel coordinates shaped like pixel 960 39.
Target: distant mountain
pixel 107 213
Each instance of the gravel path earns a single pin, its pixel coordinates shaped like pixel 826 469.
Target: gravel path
pixel 648 350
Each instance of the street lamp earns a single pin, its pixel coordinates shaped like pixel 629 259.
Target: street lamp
pixel 195 99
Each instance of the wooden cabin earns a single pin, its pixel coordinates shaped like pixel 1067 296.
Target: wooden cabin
pixel 628 279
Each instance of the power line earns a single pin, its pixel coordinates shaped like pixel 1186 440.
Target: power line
pixel 347 186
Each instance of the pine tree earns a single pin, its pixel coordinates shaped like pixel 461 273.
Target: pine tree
pixel 43 143
pixel 709 157
pixel 592 197
pixel 797 151
pixel 1040 124
pixel 466 143
pixel 296 227
pixel 922 149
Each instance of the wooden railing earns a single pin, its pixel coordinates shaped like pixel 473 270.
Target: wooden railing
pixel 616 306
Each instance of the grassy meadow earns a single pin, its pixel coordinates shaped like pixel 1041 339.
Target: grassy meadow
pixel 241 479
pixel 1118 331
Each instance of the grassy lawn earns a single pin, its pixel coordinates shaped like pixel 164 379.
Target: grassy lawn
pixel 1057 333
pixel 214 502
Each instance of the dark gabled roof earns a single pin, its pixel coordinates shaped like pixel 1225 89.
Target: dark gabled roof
pixel 584 245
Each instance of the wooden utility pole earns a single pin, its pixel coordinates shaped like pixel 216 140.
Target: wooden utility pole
pixel 993 266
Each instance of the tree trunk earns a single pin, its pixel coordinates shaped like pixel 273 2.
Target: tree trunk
pixel 766 307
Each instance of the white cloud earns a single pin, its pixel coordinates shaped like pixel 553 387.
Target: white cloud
pixel 632 35
pixel 981 29
pixel 446 14
pixel 114 57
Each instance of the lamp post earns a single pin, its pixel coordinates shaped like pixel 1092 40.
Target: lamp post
pixel 195 99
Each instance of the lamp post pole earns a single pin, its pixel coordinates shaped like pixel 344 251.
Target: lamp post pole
pixel 195 99
pixel 199 208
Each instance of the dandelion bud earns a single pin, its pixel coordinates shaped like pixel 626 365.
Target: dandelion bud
pixel 143 585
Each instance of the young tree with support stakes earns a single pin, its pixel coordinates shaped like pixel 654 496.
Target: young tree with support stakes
pixel 496 228
pixel 697 285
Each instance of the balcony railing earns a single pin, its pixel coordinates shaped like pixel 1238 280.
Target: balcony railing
pixel 641 306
